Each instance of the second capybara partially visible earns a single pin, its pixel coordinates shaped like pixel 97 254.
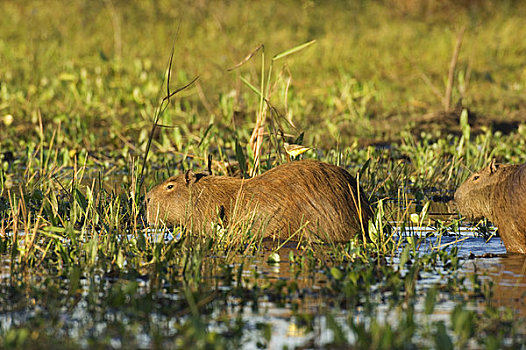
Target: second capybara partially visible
pixel 321 198
pixel 498 193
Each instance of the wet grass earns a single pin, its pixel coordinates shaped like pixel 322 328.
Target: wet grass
pixel 79 109
pixel 80 270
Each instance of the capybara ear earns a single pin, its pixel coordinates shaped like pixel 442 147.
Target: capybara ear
pixel 189 177
pixel 493 166
pixel 209 165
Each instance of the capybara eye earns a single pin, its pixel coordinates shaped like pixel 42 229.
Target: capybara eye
pixel 476 177
pixel 169 187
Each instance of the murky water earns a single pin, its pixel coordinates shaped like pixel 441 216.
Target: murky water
pixel 506 271
pixel 486 257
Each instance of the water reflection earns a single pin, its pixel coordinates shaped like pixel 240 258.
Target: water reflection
pixel 508 274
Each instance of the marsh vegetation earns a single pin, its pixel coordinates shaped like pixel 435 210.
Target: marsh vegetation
pixel 408 96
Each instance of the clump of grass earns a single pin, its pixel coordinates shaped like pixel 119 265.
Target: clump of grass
pixel 266 108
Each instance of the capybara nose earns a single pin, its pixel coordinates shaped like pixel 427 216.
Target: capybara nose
pixel 457 199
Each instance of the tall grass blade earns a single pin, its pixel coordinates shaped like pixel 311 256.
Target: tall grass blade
pixel 247 58
pixel 293 50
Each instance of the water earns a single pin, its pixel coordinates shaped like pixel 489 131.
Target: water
pixel 485 257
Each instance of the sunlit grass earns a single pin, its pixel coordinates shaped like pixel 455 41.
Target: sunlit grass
pixel 64 64
pixel 79 89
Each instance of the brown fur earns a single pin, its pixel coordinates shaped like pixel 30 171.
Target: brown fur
pixel 280 202
pixel 498 193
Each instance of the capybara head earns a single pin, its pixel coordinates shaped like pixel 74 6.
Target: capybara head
pixel 474 197
pixel 169 201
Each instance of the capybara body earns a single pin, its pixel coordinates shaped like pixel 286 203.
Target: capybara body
pixel 319 199
pixel 498 193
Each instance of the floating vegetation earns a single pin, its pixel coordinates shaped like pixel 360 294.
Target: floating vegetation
pixel 81 106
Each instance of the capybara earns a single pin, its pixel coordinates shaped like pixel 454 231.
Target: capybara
pixel 498 193
pixel 321 198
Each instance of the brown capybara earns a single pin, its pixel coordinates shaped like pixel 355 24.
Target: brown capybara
pixel 498 193
pixel 322 198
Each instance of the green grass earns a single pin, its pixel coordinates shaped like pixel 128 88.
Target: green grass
pixel 357 82
pixel 79 89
